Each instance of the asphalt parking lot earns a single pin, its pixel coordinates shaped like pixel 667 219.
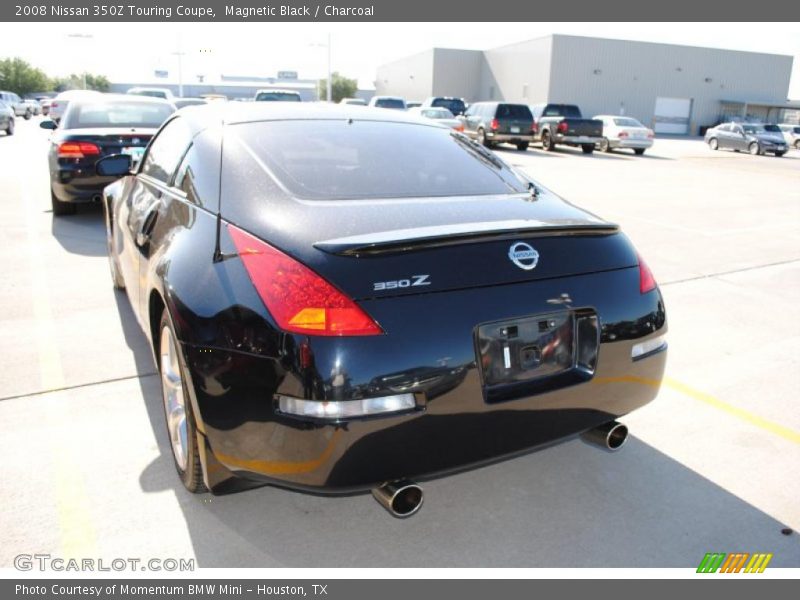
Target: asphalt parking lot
pixel 712 464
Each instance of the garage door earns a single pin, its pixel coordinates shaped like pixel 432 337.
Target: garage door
pixel 672 115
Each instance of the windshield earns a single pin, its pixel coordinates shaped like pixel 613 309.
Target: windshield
pixel 278 97
pixel 626 122
pixel 753 129
pixel 334 160
pixel 124 113
pixel 772 128
pixel 437 113
pixel 454 105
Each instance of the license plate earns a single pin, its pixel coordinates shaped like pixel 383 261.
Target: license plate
pixel 515 130
pixel 528 348
pixel 135 152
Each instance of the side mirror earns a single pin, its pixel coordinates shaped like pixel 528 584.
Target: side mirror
pixel 48 124
pixel 115 165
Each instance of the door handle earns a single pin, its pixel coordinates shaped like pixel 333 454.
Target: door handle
pixel 143 237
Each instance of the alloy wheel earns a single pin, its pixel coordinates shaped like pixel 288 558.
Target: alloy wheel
pixel 174 398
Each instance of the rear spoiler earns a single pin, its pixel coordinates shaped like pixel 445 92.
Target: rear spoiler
pixel 405 240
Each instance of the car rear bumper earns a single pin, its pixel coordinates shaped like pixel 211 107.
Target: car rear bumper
pixel 510 138
pixel 629 143
pixel 575 140
pixel 455 425
pixel 78 186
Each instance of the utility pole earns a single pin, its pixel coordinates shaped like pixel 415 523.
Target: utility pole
pixel 82 36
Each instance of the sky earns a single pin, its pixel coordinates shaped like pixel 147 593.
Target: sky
pixel 131 52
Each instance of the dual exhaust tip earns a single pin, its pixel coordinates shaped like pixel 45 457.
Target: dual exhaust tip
pixel 404 498
pixel 401 498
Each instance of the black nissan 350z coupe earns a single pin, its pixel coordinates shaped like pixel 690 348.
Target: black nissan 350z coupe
pixel 344 299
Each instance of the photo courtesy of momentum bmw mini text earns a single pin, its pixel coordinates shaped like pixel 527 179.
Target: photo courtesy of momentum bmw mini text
pixel 399 299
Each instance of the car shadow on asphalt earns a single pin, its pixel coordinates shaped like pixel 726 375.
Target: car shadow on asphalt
pixel 82 233
pixel 570 505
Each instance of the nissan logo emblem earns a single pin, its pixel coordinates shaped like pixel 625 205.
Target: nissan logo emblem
pixel 523 255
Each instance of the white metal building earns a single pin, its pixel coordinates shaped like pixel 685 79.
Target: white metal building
pixel 674 89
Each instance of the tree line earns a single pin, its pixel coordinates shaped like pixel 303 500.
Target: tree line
pixel 22 78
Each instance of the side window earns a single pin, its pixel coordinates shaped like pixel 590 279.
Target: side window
pixel 198 174
pixel 166 150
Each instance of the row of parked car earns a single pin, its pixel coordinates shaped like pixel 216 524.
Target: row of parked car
pixel 521 125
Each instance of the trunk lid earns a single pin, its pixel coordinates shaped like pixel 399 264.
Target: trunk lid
pixel 376 249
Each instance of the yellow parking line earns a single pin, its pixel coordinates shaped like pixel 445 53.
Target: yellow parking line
pixel 774 428
pixel 72 502
pixel 751 418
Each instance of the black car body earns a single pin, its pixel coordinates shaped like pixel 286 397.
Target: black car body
pixel 90 129
pixel 499 122
pixel 342 312
pixel 747 137
pixel 564 124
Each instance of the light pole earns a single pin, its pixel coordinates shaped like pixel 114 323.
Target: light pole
pixel 82 36
pixel 329 84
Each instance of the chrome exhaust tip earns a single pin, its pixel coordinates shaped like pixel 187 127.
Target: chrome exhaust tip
pixel 610 436
pixel 401 498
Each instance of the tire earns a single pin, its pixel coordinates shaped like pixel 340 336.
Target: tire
pixel 28 115
pixel 547 142
pixel 587 148
pixel 604 145
pixel 116 277
pixel 779 154
pixel 10 127
pixel 482 139
pixel 180 423
pixel 753 148
pixel 713 144
pixel 522 146
pixel 62 208
pixel 797 144
pixel 638 151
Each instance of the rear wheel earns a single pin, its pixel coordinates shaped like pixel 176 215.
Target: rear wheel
pixel 178 410
pixel 713 144
pixel 28 115
pixel 547 142
pixel 639 151
pixel 797 144
pixel 753 148
pixel 522 146
pixel 587 148
pixel 10 127
pixel 604 145
pixel 61 208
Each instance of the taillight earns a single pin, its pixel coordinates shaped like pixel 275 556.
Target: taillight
pixel 623 134
pixel 297 298
pixel 647 282
pixel 459 127
pixel 77 149
pixel 494 125
pixel 562 127
pixel 650 134
pixel 534 127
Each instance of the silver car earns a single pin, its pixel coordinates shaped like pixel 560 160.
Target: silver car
pixel 440 115
pixel 6 118
pixel 746 137
pixel 791 133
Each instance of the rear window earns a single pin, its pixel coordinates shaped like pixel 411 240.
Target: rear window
pixel 436 113
pixel 351 159
pixel 390 103
pixel 626 122
pixel 150 93
pixel 569 111
pixel 454 105
pixel 277 97
pixel 513 111
pixel 116 114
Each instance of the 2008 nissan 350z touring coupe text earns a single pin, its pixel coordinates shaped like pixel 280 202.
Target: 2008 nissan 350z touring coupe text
pixel 344 299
